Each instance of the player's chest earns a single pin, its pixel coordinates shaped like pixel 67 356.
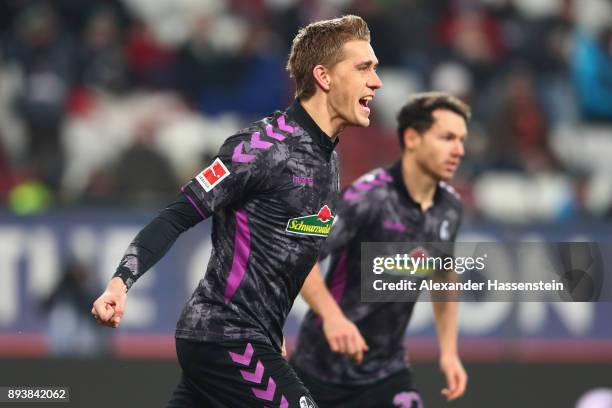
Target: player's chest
pixel 305 201
pixel 412 224
pixel 309 181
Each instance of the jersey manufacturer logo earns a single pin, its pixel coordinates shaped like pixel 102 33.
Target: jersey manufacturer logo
pixel 394 226
pixel 212 175
pixel 303 180
pixel 317 224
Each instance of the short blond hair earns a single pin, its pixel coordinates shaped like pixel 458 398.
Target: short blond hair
pixel 321 43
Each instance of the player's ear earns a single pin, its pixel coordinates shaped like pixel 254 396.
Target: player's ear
pixel 411 138
pixel 321 77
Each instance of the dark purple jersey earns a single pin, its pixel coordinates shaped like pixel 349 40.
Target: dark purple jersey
pixel 375 208
pixel 272 195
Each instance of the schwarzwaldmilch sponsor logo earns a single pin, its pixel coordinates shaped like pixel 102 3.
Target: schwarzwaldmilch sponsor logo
pixel 318 225
pixel 420 267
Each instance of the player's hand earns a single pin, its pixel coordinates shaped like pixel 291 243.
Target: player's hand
pixel 456 377
pixel 284 348
pixel 108 308
pixel 344 337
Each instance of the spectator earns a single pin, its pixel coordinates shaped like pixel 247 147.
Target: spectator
pixel 102 61
pixel 592 73
pixel 45 58
pixel 142 176
pixel 519 129
pixel 71 331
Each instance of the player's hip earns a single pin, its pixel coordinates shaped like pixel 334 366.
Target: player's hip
pixel 235 373
pixel 395 390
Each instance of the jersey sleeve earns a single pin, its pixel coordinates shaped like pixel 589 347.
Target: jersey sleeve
pixel 242 167
pixel 155 239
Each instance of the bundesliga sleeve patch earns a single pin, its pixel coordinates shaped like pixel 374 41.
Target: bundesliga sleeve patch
pixel 212 175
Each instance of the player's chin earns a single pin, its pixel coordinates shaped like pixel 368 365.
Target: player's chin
pixel 361 120
pixel 446 175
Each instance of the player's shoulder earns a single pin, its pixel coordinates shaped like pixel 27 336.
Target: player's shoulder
pixel 270 137
pixel 370 186
pixel 450 196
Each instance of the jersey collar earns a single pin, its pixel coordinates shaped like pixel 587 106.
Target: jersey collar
pixel 302 117
pixel 398 181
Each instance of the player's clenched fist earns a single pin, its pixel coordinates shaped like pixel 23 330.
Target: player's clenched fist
pixel 108 308
pixel 344 337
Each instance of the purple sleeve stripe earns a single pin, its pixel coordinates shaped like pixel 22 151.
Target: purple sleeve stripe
pixel 338 281
pixel 242 249
pixel 337 285
pixel 193 203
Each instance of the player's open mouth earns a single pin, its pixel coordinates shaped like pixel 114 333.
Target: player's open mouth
pixel 363 102
pixel 452 166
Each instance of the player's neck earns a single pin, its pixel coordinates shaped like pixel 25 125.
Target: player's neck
pixel 420 185
pixel 316 106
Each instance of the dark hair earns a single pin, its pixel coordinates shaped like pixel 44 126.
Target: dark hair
pixel 321 43
pixel 417 113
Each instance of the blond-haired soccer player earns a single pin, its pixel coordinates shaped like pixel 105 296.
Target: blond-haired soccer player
pixel 271 193
pixel 350 353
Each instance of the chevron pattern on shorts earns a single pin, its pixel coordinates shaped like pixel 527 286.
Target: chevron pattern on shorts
pixel 244 358
pixel 257 376
pixel 254 376
pixel 268 393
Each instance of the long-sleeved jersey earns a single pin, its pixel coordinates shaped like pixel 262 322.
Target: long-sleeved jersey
pixel 272 193
pixel 375 208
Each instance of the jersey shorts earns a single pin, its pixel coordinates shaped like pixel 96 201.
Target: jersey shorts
pixel 234 375
pixel 394 391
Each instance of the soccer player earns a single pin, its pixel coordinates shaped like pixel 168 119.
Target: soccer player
pixel 271 193
pixel 349 353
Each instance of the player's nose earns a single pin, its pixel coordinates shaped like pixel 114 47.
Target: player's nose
pixel 374 81
pixel 458 149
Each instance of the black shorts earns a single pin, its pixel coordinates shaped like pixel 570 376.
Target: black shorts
pixel 395 391
pixel 235 375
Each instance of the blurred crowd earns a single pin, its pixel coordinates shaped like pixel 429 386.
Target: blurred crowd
pixel 118 103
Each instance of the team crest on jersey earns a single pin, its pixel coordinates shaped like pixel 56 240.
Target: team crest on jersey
pixel 212 175
pixel 445 230
pixel 306 402
pixel 317 224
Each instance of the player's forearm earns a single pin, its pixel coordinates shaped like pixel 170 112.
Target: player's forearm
pixel 116 284
pixel 149 246
pixel 315 293
pixel 445 314
pixel 155 239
